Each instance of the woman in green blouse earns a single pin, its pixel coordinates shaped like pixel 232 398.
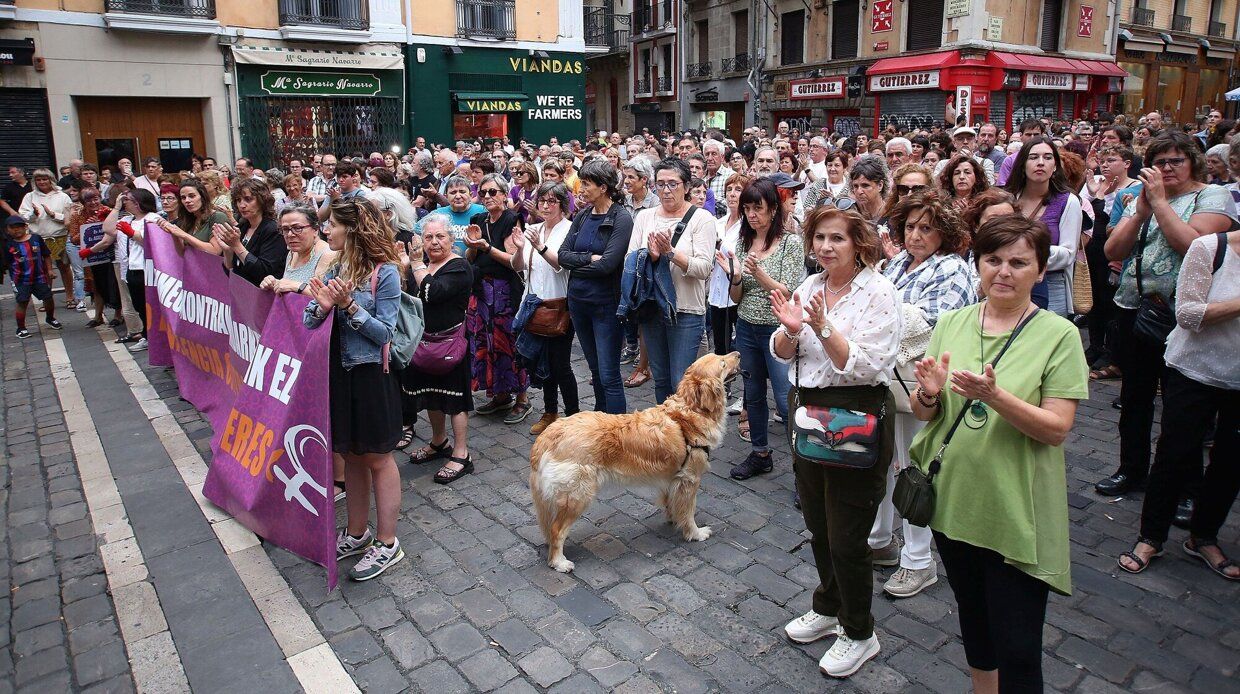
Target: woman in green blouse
pixel 1001 521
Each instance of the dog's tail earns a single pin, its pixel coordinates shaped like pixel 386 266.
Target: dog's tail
pixel 543 492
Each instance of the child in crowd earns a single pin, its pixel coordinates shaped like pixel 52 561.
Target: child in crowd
pixel 28 260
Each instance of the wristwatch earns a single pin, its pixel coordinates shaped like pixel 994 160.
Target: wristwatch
pixel 826 331
pixel 302 289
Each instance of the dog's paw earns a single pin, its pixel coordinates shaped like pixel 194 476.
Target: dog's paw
pixel 562 565
pixel 698 534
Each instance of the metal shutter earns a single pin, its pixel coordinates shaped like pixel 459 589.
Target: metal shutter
pixel 925 24
pixel 25 131
pixel 1033 104
pixel 1052 18
pixel 844 29
pixel 998 110
pixel 909 110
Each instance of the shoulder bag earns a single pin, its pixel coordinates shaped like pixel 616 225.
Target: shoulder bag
pixel 914 496
pixel 410 324
pixel 550 318
pixel 1155 317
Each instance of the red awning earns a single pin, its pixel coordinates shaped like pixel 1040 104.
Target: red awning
pixel 914 63
pixel 1044 63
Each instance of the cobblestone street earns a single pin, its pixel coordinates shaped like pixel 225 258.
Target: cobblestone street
pixel 474 606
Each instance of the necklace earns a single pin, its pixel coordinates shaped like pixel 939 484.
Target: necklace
pixel 979 414
pixel 826 282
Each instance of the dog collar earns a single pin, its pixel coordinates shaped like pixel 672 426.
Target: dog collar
pixel 689 447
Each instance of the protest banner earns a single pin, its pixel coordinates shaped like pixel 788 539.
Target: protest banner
pixel 92 234
pixel 243 358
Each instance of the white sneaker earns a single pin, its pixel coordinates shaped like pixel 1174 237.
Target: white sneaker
pixel 778 419
pixel 737 407
pixel 811 626
pixel 139 346
pixel 348 546
pixel 847 656
pixel 905 583
pixel 81 308
pixel 378 558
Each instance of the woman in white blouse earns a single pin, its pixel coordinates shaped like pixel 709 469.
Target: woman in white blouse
pixel 1202 382
pixel 537 253
pixel 728 227
pixel 843 327
pixel 672 348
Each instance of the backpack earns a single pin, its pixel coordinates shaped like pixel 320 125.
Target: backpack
pixel 410 324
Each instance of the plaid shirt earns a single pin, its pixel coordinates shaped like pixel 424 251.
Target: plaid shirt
pixel 318 186
pixel 718 185
pixel 942 283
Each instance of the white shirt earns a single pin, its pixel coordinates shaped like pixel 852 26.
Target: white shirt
pixel 697 243
pixel 137 254
pixel 1206 353
pixel 544 281
pixel 717 293
pixel 869 319
pixel 49 226
pixel 819 169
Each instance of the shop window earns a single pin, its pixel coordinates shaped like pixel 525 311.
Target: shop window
pixel 1132 97
pixel 479 125
pixel 845 26
pixel 1052 20
pixel 925 24
pixel 281 128
pixel 1170 89
pixel 792 38
pixel 1211 85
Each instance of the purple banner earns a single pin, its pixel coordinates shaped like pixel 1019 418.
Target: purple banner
pixel 243 358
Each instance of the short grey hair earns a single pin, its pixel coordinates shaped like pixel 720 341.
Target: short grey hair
pixel 456 181
pixel 642 167
pixel 902 142
pixel 872 168
pixel 818 140
pixel 424 161
pixel 498 180
pixel 436 218
pixel 709 144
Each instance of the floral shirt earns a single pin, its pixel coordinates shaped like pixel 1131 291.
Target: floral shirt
pixel 785 264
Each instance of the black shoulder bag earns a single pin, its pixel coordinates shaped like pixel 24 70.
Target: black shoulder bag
pixel 1155 317
pixel 914 496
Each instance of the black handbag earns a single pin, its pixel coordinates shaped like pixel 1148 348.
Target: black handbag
pixel 914 496
pixel 1155 317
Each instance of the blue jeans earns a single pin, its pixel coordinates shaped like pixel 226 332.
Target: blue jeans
pixel 671 349
pixel 601 336
pixel 753 342
pixel 79 275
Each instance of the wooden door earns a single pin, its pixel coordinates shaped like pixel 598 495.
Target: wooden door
pixel 146 121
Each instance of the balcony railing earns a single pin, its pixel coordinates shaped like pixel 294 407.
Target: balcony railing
pixel 641 87
pixel 606 30
pixel 1181 22
pixel 339 14
pixel 490 19
pixel 740 63
pixel 193 9
pixel 1218 29
pixel 698 70
pixel 663 84
pixel 1143 16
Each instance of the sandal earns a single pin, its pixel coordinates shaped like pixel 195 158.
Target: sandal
pixel 94 323
pixel 637 378
pixel 1193 549
pixel 116 322
pixel 1106 373
pixel 430 452
pixel 448 476
pixel 406 437
pixel 742 429
pixel 1141 564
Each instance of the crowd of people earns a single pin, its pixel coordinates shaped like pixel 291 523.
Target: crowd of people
pixel 884 275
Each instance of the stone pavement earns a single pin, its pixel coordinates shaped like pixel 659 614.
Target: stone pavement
pixel 475 608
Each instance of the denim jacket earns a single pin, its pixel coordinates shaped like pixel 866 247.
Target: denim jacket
pixel 363 335
pixel 646 289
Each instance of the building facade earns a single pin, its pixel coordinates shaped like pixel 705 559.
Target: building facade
pixel 1180 55
pixel 608 32
pixel 719 45
pixel 654 65
pixel 104 80
pixel 860 65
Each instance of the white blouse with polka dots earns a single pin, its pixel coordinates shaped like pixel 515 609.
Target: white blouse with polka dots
pixel 868 316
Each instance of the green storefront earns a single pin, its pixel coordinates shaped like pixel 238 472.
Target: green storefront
pixel 459 93
pixel 295 103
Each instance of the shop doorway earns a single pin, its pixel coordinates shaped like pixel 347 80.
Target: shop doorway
pixel 282 128
pixel 114 127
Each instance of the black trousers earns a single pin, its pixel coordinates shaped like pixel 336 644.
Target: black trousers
pixel 1189 407
pixel 561 380
pixel 839 506
pixel 722 322
pixel 1002 610
pixel 1143 366
pixel 1101 319
pixel 136 281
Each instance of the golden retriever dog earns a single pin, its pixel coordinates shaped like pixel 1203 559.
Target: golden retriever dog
pixel 667 447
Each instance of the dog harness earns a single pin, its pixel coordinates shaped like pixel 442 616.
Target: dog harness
pixel 689 451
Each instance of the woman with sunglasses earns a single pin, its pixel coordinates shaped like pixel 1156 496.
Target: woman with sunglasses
pixel 523 198
pixel 1173 207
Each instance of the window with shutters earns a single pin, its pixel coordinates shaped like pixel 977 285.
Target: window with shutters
pixel 740 32
pixel 845 27
pixel 1052 20
pixel 925 24
pixel 792 38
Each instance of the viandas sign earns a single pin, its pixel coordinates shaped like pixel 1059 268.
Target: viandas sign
pixel 281 83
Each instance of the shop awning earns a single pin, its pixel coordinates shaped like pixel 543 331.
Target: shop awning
pixel 1145 44
pixel 1233 95
pixel 490 102
pixel 1042 63
pixel 914 63
pixel 291 58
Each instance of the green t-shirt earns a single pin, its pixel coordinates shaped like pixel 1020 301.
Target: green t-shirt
pixel 999 488
pixel 203 231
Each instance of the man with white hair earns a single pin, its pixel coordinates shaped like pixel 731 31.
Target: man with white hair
pixel 717 173
pixel 765 161
pixel 818 157
pixel 898 151
pixel 782 128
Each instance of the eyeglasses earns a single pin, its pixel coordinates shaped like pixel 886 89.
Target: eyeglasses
pixel 1173 162
pixel 490 192
pixel 667 185
pixel 905 190
pixel 297 229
